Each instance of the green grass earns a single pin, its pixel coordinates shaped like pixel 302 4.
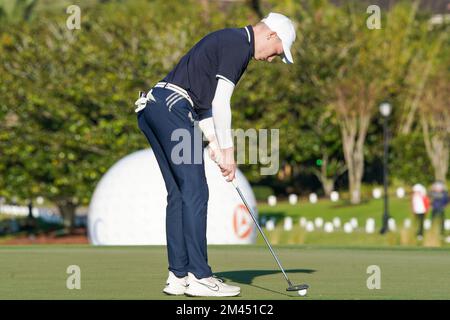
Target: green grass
pixel 404 237
pixel 29 272
pixel 399 209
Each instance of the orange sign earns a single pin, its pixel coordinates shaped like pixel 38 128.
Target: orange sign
pixel 242 222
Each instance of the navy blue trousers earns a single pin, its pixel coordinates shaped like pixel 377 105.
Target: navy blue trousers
pixel 187 190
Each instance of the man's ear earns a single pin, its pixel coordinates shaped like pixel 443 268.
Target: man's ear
pixel 271 34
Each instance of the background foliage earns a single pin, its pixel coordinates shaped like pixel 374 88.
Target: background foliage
pixel 66 96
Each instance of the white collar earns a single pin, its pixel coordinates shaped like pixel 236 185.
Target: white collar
pixel 248 34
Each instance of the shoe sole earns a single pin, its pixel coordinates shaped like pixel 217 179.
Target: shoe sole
pixel 174 293
pixel 213 294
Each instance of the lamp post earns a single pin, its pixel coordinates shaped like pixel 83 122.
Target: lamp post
pixel 385 110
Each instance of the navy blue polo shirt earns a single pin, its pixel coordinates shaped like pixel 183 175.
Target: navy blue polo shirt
pixel 221 54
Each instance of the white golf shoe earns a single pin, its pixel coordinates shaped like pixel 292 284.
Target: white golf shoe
pixel 209 287
pixel 174 285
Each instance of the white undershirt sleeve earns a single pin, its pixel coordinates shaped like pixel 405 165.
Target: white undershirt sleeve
pixel 221 110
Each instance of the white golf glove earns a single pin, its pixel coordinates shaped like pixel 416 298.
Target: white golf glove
pixel 141 103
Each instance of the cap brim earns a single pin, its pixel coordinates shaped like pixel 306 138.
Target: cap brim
pixel 287 56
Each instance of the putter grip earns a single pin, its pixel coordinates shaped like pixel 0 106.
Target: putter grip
pixel 234 182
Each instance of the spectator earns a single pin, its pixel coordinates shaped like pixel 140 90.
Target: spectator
pixel 420 206
pixel 439 199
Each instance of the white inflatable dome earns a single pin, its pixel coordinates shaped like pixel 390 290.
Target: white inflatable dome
pixel 128 206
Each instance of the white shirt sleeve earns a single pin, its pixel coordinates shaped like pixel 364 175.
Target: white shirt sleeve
pixel 221 110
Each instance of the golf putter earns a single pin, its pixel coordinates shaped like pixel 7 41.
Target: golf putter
pixel 300 288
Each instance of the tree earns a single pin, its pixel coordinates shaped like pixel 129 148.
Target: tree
pixel 16 10
pixel 423 44
pixel 435 121
pixel 374 72
pixel 69 95
pixel 408 159
pixel 322 131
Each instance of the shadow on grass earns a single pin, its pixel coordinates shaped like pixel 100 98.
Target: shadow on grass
pixel 247 276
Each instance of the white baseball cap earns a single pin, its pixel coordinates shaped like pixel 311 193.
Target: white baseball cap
pixel 419 188
pixel 285 30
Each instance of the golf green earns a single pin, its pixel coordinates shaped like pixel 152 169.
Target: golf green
pixel 40 272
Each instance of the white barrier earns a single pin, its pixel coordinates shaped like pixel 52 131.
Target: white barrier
pixel 19 211
pixel 287 224
pixel 293 199
pixel 370 225
pixel 313 198
pixel 302 221
pixel 309 226
pixel 354 223
pixel 337 222
pixel 272 200
pixel 334 196
pixel 392 226
pixel 318 222
pixel 270 225
pixel 328 227
pixel 348 228
pixel 377 193
pixel 447 224
pixel 400 192
pixel 22 211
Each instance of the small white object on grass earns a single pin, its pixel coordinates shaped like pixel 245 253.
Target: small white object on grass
pixel 337 222
pixel 313 198
pixel 400 192
pixel 354 223
pixel 392 226
pixel 370 225
pixel 293 199
pixel 334 196
pixel 328 227
pixel 287 224
pixel 302 221
pixel 447 224
pixel 376 193
pixel 407 223
pixel 272 200
pixel 318 222
pixel 270 225
pixel 302 292
pixel 309 226
pixel 348 228
pixel 427 224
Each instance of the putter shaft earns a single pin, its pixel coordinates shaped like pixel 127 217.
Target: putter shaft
pixel 262 232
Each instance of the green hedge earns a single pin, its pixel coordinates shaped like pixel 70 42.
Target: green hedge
pixel 262 192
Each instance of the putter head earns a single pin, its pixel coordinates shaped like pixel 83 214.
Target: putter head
pixel 297 287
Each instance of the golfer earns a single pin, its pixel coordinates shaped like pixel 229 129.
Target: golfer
pixel 198 91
